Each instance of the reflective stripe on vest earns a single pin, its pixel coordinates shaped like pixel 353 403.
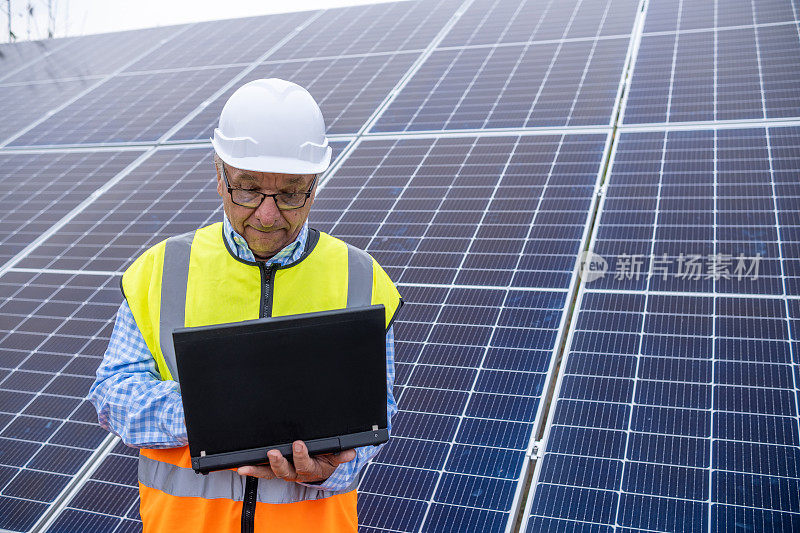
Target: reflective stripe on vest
pixel 185 483
pixel 175 275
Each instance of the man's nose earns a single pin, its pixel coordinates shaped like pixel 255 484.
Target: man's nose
pixel 267 213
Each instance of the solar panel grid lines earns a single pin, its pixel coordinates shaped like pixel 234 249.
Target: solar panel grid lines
pixel 48 429
pixel 76 96
pixel 674 14
pixel 129 108
pixel 410 212
pixel 73 213
pixel 566 441
pixel 477 88
pixel 688 194
pixel 752 68
pixel 41 188
pixel 28 102
pixel 93 55
pixel 18 56
pixel 171 191
pixel 434 42
pixel 245 40
pixel 373 28
pixel 235 79
pixel 108 501
pixel 78 480
pixel 500 461
pixel 508 21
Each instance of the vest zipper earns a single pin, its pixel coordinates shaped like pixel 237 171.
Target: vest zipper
pixel 267 281
pixel 249 505
pixel 251 483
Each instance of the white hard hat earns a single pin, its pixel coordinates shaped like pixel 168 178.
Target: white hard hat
pixel 272 125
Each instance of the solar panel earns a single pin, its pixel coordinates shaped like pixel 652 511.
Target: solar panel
pixel 386 27
pixel 108 501
pixel 488 211
pixel 727 74
pixel 55 327
pixel 24 103
pixel 41 188
pixel 669 15
pixel 552 84
pixel 91 55
pixel 129 108
pixel 677 403
pixel 684 196
pixel 14 56
pixel 222 42
pixel 514 21
pixel 348 89
pixel 446 217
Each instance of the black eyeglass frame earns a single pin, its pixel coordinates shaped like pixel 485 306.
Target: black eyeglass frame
pixel 274 197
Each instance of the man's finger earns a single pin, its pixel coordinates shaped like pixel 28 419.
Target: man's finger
pixel 280 466
pixel 264 472
pixel 303 463
pixel 344 456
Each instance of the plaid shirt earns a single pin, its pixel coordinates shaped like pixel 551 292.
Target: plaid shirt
pixel 133 402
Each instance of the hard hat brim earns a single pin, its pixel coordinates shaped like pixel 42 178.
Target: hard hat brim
pixel 278 165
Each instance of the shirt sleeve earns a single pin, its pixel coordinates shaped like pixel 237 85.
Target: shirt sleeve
pixel 346 473
pixel 130 398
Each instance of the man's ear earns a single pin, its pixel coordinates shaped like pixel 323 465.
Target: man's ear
pixel 220 185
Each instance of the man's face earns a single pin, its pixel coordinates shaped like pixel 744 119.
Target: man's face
pixel 266 228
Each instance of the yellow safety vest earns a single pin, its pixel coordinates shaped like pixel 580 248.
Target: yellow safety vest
pixel 195 280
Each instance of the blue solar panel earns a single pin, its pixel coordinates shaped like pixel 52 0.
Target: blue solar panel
pixel 669 15
pixel 573 83
pixel 514 21
pixel 677 404
pixel 54 330
pixel 727 74
pixel 45 187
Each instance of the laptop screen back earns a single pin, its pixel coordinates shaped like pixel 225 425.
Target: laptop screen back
pixel 275 380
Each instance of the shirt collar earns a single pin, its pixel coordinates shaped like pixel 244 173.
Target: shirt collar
pixel 289 254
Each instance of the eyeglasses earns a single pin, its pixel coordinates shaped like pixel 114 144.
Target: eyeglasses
pixel 285 201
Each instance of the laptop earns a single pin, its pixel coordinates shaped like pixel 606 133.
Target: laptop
pixel 253 386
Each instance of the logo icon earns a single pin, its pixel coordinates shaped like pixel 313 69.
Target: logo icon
pixel 591 266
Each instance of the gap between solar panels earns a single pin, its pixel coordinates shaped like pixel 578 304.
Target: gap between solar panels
pixel 77 482
pixel 537 449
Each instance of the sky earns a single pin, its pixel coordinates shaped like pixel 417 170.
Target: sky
pixel 83 17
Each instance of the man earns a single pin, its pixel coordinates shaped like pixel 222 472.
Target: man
pixel 262 260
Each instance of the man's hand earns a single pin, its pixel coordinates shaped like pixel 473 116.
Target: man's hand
pixel 306 469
